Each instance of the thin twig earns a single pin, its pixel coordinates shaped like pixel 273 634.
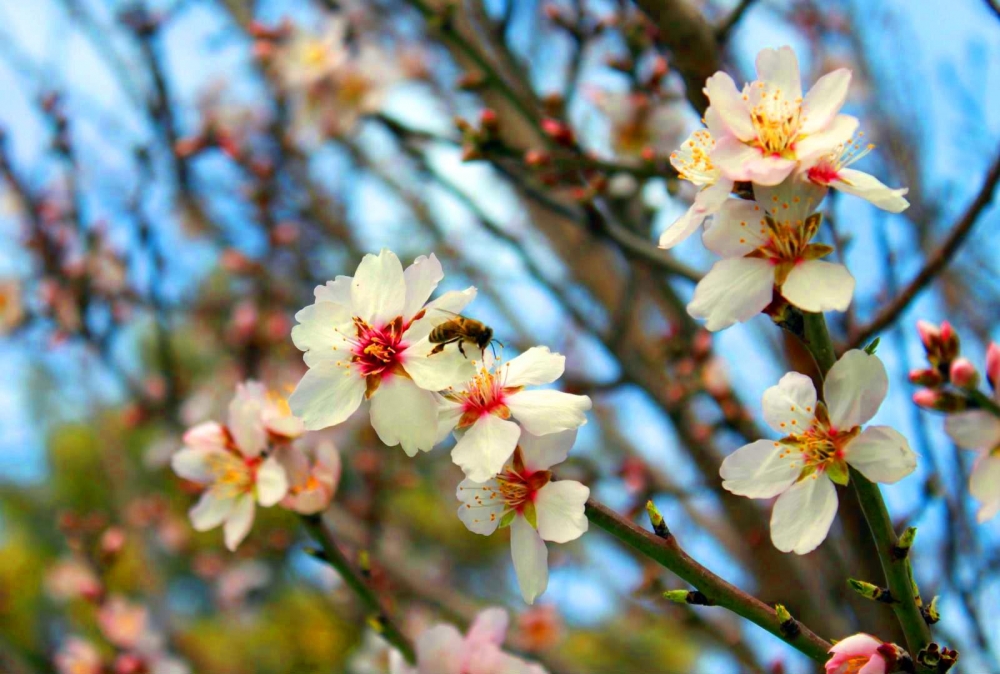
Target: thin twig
pixel 727 26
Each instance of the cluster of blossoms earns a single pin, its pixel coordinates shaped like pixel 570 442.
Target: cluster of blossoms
pixel 951 385
pixel 790 149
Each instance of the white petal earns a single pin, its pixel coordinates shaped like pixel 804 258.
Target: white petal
pixel 818 286
pixel 443 370
pixel 976 429
pixel 483 450
pixel 404 414
pixel 327 395
pixel 984 485
pixel 871 189
pixel 211 510
pixel 857 644
pixel 767 169
pixel 780 68
pixel 854 388
pixel 732 156
pixel 421 277
pixel 193 463
pixel 531 559
pixel 272 483
pixel 824 100
pixel 245 422
pixel 481 505
pixel 534 367
pixel 489 627
pixel 802 515
pixel 378 291
pixel 239 522
pixel 541 452
pixel 713 122
pixel 791 405
pixel 322 327
pixel 545 411
pixel 440 650
pixel 733 291
pixel 337 291
pixel 737 229
pixel 707 202
pixel 439 311
pixel 207 435
pixel 881 454
pixel 559 506
pixel 839 130
pixel 728 104
pixel 762 469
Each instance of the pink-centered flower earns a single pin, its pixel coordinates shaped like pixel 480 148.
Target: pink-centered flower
pixel 769 127
pixel 367 337
pixel 833 170
pixel 820 441
pixel 313 476
pixel 481 412
pixel 537 508
pixel 443 650
pixel 979 430
pixel 858 654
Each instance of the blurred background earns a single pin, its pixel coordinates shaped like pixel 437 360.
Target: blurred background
pixel 177 176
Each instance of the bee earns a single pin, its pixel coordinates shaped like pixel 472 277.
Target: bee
pixel 461 330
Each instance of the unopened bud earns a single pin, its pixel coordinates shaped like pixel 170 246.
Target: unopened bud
pixel 963 373
pixel 656 519
pixel 558 131
pixel 694 597
pixel 676 596
pixel 926 377
pixel 112 541
pixel 930 334
pixel 471 81
pixel 870 591
pixel 927 398
pixel 950 345
pixel 993 364
pixel 905 542
pixel 537 158
pixel 488 120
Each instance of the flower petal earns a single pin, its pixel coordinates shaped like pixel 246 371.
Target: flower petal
pixel 323 328
pixel 737 229
pixel 984 485
pixel 802 515
pixel 768 169
pixel 818 286
pixel 421 277
pixel 207 435
pixel 482 505
pixel 870 188
pixel 975 429
pixel 534 367
pixel 378 291
pixel 193 463
pixel 780 68
pixel 272 482
pixel 489 627
pixel 882 454
pixel 854 389
pixel 729 106
pixel 239 522
pixel 559 506
pixel 531 559
pixel 337 291
pixel 857 644
pixel 545 411
pixel 762 469
pixel 327 395
pixel 839 130
pixel 245 421
pixel 439 311
pixel 404 414
pixel 824 101
pixel 733 291
pixel 732 156
pixel 791 404
pixel 483 450
pixel 707 202
pixel 211 510
pixel 445 369
pixel 440 650
pixel 541 452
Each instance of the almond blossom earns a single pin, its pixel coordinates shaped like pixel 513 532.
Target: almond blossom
pixel 366 337
pixel 481 412
pixel 312 477
pixel 766 245
pixel 443 650
pixel 769 127
pixel 858 654
pixel 537 508
pixel 831 170
pixel 78 656
pixel 272 410
pixel 821 440
pixel 693 161
pixel 232 462
pixel 979 430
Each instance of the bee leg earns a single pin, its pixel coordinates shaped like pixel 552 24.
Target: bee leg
pixel 461 349
pixel 437 349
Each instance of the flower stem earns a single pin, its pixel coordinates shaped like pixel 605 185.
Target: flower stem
pixel 353 579
pixel 898 573
pixel 985 402
pixel 668 553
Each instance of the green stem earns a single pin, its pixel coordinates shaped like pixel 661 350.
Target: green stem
pixel 353 579
pixel 985 402
pixel 898 574
pixel 668 553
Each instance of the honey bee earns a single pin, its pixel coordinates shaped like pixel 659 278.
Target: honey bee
pixel 461 330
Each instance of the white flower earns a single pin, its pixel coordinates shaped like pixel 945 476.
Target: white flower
pixel 367 337
pixel 693 161
pixel 820 442
pixel 272 410
pixel 536 508
pixel 980 430
pixel 78 656
pixel 443 650
pixel 231 462
pixel 830 170
pixel 767 244
pixel 481 412
pixel 308 58
pixel 639 125
pixel 770 127
pixel 312 481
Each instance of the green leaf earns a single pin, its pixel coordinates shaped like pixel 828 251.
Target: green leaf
pixel 838 473
pixel 872 346
pixel 530 514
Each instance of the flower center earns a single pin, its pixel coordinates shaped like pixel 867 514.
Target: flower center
pixel 377 350
pixel 855 664
pixel 232 476
pixel 518 485
pixel 828 168
pixel 693 161
pixel 775 119
pixel 485 394
pixel 821 445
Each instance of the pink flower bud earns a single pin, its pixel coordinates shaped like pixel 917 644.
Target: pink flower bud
pixel 993 364
pixel 963 373
pixel 926 398
pixel 856 652
pixel 926 377
pixel 929 334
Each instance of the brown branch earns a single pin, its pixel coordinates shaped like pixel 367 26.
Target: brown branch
pixel 731 21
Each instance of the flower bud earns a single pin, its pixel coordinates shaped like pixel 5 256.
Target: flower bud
pixel 993 364
pixel 558 131
pixel 963 373
pixel 929 334
pixel 926 377
pixel 926 398
pixel 949 342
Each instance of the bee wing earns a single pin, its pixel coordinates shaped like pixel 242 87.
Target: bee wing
pixel 445 332
pixel 450 313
